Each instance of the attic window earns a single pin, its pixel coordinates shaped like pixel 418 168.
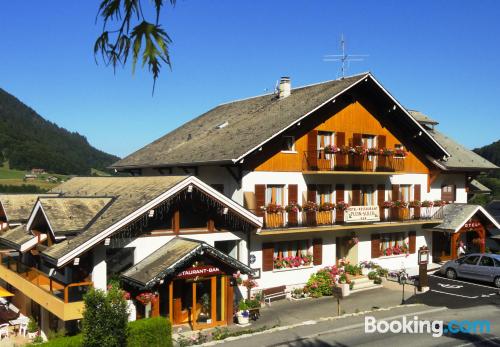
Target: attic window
pixel 223 125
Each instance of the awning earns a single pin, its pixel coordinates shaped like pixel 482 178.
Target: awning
pixel 4 292
pixel 173 257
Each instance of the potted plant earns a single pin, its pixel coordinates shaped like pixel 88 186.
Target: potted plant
pixel 32 328
pixel 310 206
pixel 415 203
pixel 243 313
pixel 388 204
pixel 344 283
pixel 427 203
pixel 342 206
pixel 293 207
pixel 439 203
pixel 326 206
pixel 331 149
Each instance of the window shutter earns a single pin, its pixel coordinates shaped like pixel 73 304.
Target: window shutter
pixel 267 256
pixel 375 245
pixel 357 140
pixel 381 141
pixel 311 192
pixel 293 195
pixel 340 159
pixel 356 195
pixel 395 196
pixel 339 196
pixel 381 200
pixel 416 196
pixel 260 199
pixel 312 148
pixel 340 139
pixel 412 241
pixel 311 196
pixel 317 251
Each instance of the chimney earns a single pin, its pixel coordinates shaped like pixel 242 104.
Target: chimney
pixel 284 87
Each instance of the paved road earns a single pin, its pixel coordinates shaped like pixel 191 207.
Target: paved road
pixel 447 300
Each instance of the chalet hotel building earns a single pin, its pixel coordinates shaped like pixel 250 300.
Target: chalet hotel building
pixel 277 186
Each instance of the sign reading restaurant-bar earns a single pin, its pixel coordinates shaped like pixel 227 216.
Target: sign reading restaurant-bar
pixel 199 271
pixel 355 214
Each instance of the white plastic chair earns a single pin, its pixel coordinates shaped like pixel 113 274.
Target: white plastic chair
pixel 4 330
pixel 23 328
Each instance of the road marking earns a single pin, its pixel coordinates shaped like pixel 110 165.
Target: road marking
pixel 462 296
pixel 450 286
pixel 361 325
pixel 472 284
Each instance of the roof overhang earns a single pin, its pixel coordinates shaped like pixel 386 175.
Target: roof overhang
pixel 183 261
pixel 39 208
pixel 478 208
pixel 257 222
pixel 363 78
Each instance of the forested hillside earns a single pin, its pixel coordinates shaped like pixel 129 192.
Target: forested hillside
pixel 27 140
pixel 491 179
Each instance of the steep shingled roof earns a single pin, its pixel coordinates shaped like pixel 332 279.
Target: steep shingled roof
pixel 129 193
pixel 67 215
pixel 16 237
pixel 250 122
pixel 18 207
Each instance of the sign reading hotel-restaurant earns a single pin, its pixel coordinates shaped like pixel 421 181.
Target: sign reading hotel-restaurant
pixel 362 214
pixel 199 271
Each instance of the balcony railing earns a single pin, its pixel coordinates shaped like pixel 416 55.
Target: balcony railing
pixel 68 293
pixel 321 161
pixel 303 219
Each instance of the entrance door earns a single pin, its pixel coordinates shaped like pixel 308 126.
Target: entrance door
pixel 200 302
pixel 441 246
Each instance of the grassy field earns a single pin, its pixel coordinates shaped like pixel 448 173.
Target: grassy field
pixel 11 177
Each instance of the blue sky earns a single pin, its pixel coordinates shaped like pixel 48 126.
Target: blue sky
pixel 439 57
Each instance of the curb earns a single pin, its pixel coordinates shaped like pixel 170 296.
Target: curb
pixel 309 322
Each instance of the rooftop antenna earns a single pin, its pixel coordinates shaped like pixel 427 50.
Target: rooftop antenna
pixel 344 58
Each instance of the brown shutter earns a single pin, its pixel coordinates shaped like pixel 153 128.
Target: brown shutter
pixel 267 256
pixel 356 195
pixel 260 199
pixel 395 196
pixel 412 241
pixel 317 251
pixel 416 196
pixel 311 192
pixel 357 140
pixel 311 196
pixel 381 141
pixel 339 196
pixel 340 159
pixel 453 193
pixel 381 200
pixel 312 148
pixel 375 245
pixel 293 198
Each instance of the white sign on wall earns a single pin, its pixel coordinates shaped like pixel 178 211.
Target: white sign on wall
pixel 362 214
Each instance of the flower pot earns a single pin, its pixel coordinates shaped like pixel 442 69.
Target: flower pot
pixel 345 289
pixel 243 319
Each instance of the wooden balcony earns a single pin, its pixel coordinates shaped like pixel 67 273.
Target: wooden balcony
pixel 319 220
pixel 341 162
pixel 63 300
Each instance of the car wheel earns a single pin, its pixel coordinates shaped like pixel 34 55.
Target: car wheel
pixel 497 282
pixel 451 274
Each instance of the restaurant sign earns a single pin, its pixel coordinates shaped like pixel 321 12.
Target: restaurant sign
pixel 355 214
pixel 472 224
pixel 199 271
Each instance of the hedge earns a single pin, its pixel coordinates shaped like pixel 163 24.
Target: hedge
pixel 155 332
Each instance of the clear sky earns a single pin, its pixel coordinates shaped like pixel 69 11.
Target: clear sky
pixel 440 57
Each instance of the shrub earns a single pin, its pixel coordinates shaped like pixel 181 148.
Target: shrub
pixel 154 332
pixel 321 283
pixel 105 318
pixel 377 280
pixel 372 275
pixel 382 272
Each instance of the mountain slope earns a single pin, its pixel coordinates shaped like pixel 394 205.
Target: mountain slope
pixel 27 140
pixel 490 152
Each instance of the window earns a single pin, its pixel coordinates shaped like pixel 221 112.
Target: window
pixel 399 147
pixel 288 144
pixel 228 247
pixel 448 193
pixel 486 261
pixel 289 254
pixel 325 138
pixel 497 262
pixel 324 193
pixel 393 244
pixel 367 195
pixel 275 194
pixel 404 192
pixel 472 260
pixel 368 141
